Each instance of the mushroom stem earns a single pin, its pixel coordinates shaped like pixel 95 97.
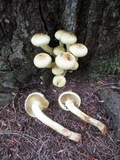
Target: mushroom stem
pixel 52 124
pixel 48 49
pixel 70 105
pixel 67 47
pixel 61 44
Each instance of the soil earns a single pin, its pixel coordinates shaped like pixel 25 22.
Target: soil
pixel 25 138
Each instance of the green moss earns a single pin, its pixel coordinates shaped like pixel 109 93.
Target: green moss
pixel 110 66
pixel 6 51
pixel 103 66
pixel 7 81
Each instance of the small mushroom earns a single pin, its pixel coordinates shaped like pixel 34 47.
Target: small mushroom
pixel 42 40
pixel 35 103
pixel 57 71
pixel 58 35
pixel 78 50
pixel 68 38
pixel 75 67
pixel 42 60
pixel 59 81
pixel 58 50
pixel 65 60
pixel 70 101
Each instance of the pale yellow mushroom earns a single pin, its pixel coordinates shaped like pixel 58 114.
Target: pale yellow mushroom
pixel 42 60
pixel 35 103
pixel 58 35
pixel 75 67
pixel 68 38
pixel 65 60
pixel 58 50
pixel 58 71
pixel 59 81
pixel 78 50
pixel 70 101
pixel 42 40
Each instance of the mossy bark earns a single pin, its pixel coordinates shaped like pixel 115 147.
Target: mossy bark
pixel 112 105
pixel 96 24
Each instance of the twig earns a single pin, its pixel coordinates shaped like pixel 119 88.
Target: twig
pixel 19 134
pixel 118 156
pixel 13 104
pixel 114 87
pixel 100 87
pixel 110 137
pixel 102 144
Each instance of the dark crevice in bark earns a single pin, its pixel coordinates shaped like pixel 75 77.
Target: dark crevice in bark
pixel 41 10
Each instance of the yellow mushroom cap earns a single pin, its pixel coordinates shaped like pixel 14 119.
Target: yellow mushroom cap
pixel 78 50
pixel 40 39
pixel 75 67
pixel 57 71
pixel 59 33
pixel 35 97
pixel 42 60
pixel 68 38
pixel 58 50
pixel 59 81
pixel 69 96
pixel 65 60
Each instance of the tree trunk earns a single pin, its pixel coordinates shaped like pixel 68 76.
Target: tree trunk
pixel 112 105
pixel 95 23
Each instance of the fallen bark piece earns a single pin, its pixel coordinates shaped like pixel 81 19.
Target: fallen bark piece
pixel 112 106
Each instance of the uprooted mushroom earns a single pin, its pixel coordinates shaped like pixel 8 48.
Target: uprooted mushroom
pixel 70 101
pixel 35 103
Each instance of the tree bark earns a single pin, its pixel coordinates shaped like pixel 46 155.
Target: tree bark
pixel 112 106
pixel 95 23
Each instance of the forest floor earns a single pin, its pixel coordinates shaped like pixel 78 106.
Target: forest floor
pixel 25 138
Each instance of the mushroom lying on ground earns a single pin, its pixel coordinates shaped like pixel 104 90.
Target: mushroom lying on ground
pixel 35 103
pixel 42 40
pixel 70 101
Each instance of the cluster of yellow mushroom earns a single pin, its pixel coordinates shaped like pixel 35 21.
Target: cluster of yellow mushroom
pixel 65 55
